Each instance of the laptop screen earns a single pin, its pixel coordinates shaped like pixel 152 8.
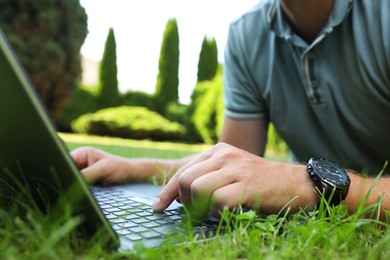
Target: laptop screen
pixel 32 156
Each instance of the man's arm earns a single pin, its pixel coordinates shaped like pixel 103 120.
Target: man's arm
pixel 361 186
pixel 227 176
pixel 249 135
pixel 97 165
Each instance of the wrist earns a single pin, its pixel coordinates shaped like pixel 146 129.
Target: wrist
pixel 330 179
pixel 308 197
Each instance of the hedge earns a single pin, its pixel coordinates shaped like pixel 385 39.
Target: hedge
pixel 82 101
pixel 129 122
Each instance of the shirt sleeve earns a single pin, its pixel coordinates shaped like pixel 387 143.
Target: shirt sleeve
pixel 241 93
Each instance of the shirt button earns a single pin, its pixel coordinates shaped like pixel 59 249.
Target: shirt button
pixel 329 30
pixel 310 55
pixel 314 83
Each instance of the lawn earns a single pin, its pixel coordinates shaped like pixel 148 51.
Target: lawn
pixel 327 233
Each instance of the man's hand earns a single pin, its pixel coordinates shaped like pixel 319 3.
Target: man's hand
pixel 226 176
pixel 96 165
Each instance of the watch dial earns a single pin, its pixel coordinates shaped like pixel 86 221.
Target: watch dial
pixel 331 172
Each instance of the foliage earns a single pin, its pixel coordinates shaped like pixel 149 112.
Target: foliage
pixel 275 141
pixel 109 94
pixel 138 98
pixel 177 112
pixel 324 233
pixel 47 37
pixel 168 67
pixel 82 101
pixel 206 110
pixel 129 122
pixel 208 60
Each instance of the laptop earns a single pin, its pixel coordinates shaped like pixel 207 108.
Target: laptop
pixel 35 162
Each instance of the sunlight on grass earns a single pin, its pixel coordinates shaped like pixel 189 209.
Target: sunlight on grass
pixel 79 138
pixel 147 148
pixel 133 148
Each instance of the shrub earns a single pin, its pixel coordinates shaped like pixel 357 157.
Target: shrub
pixel 82 101
pixel 138 99
pixel 129 122
pixel 208 109
pixel 177 113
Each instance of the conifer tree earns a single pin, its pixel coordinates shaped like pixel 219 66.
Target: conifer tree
pixel 208 60
pixel 168 68
pixel 108 72
pixel 47 37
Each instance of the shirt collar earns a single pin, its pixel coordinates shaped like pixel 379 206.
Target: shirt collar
pixel 280 26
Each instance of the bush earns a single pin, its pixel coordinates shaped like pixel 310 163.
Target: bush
pixel 177 113
pixel 138 99
pixel 82 101
pixel 208 112
pixel 129 122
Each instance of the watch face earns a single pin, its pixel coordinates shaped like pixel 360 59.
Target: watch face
pixel 331 172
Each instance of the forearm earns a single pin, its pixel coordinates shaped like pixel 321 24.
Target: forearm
pixel 360 188
pixel 159 170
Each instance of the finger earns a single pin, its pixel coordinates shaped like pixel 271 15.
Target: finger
pixel 193 173
pixel 171 189
pixel 228 197
pixel 93 172
pixel 204 187
pixel 169 192
pixel 85 156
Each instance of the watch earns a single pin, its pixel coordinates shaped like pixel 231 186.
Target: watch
pixel 330 179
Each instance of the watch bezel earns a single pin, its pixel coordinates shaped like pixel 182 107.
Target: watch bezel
pixel 326 185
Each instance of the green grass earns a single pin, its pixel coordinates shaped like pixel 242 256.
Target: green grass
pixel 328 233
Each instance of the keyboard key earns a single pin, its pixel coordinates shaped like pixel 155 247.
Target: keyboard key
pixel 151 224
pixel 140 220
pixel 139 229
pixel 155 217
pixel 117 220
pixel 123 232
pixel 150 234
pixel 165 221
pixel 164 230
pixel 110 216
pixel 144 214
pixel 130 217
pixel 134 237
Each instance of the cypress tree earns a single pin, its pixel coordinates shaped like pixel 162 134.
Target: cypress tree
pixel 167 86
pixel 47 37
pixel 108 81
pixel 208 60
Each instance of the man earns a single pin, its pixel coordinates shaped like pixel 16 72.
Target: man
pixel 319 70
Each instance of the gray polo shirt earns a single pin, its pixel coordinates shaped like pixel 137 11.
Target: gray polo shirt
pixel 330 98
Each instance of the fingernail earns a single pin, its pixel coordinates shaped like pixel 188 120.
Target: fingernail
pixel 156 204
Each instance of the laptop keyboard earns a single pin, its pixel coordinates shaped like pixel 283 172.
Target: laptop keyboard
pixel 136 221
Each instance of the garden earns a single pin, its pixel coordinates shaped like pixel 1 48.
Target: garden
pixel 136 124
